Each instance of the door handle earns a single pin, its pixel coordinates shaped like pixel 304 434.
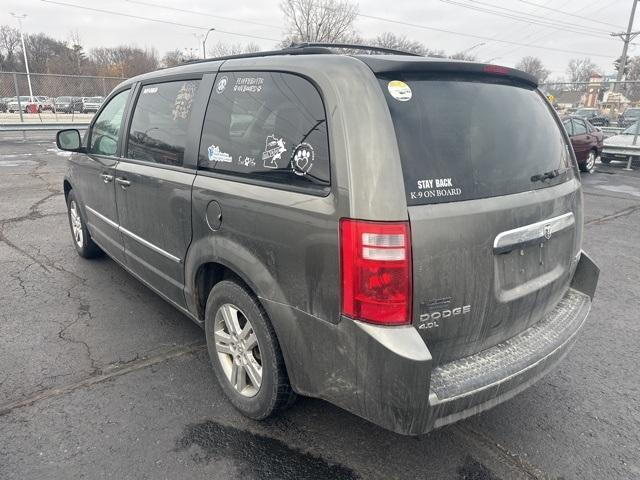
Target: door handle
pixel 106 178
pixel 123 182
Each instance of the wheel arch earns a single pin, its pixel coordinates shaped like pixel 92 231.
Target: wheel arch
pixel 207 275
pixel 212 259
pixel 66 186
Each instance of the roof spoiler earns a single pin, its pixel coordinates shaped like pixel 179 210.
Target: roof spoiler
pixel 381 65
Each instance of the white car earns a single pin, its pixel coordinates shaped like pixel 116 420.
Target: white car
pixel 623 145
pixel 91 104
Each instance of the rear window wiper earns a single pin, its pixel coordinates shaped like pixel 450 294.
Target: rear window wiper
pixel 541 177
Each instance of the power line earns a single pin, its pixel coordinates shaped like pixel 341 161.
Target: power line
pixel 563 12
pixel 538 35
pixel 149 19
pixel 198 12
pixel 372 17
pixel 480 37
pixel 516 29
pixel 557 26
pixel 539 17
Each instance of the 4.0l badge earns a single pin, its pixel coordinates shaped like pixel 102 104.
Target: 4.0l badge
pixel 432 318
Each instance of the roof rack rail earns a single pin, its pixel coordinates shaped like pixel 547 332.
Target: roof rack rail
pixel 306 48
pixel 268 53
pixel 352 46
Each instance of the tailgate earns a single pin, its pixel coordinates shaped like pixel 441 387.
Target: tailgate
pixel 494 205
pixel 485 272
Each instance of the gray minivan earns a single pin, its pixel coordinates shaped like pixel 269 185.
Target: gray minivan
pixel 398 235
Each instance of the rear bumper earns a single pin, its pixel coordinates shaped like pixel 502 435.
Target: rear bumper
pixel 385 374
pixel 621 150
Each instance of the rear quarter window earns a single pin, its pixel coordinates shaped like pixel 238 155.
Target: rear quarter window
pixel 267 127
pixel 464 138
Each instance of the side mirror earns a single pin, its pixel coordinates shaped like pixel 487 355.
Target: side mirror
pixel 69 140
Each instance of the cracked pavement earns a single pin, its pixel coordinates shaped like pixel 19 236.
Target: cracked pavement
pixel 100 378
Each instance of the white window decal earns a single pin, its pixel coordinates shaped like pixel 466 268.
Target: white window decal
pixel 215 155
pixel 222 84
pixel 435 187
pixel 273 150
pixel 248 84
pixel 245 161
pixel 302 159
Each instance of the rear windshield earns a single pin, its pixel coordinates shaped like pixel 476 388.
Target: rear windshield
pixel 461 139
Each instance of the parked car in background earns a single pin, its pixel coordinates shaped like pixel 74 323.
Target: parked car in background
pixel 92 104
pixel 45 104
pixel 586 140
pixel 621 146
pixel 68 104
pixel 414 265
pixel 595 116
pixel 25 101
pixel 629 117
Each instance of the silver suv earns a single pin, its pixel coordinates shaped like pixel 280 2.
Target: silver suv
pixel 398 235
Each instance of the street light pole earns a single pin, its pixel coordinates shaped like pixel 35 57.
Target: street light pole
pixel 204 43
pixel 475 46
pixel 19 17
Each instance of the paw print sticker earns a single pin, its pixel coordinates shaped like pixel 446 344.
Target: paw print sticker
pixel 302 159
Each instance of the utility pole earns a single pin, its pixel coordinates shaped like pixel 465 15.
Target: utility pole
pixel 626 37
pixel 20 17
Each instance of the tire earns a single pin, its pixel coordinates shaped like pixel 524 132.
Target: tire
pixel 85 246
pixel 589 164
pixel 606 160
pixel 225 331
pixel 39 109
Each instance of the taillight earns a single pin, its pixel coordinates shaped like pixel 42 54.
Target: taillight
pixel 376 271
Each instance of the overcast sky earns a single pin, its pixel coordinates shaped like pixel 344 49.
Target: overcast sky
pixel 263 18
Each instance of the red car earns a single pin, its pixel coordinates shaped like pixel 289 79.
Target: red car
pixel 586 140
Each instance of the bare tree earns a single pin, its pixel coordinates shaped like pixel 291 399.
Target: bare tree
pixel 222 49
pixel 581 69
pixel 401 42
pixel 10 50
pixel 469 57
pixel 124 61
pixel 46 54
pixel 319 21
pixel 77 53
pixel 177 57
pixel 533 66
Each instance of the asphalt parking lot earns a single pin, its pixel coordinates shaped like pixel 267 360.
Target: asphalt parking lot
pixel 100 378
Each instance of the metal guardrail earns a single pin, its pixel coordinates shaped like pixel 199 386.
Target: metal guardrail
pixel 34 127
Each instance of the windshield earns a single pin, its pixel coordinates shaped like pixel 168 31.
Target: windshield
pixel 94 99
pixel 633 111
pixel 586 112
pixel 461 139
pixel 63 99
pixel 631 130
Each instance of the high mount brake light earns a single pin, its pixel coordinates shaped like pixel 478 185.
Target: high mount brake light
pixel 376 271
pixel 495 69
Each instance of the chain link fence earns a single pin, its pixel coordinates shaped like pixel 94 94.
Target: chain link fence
pixel 45 98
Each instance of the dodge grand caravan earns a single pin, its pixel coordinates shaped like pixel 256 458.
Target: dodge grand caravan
pixel 398 235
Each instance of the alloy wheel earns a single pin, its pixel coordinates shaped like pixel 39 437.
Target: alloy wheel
pixel 238 350
pixel 76 223
pixel 591 160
